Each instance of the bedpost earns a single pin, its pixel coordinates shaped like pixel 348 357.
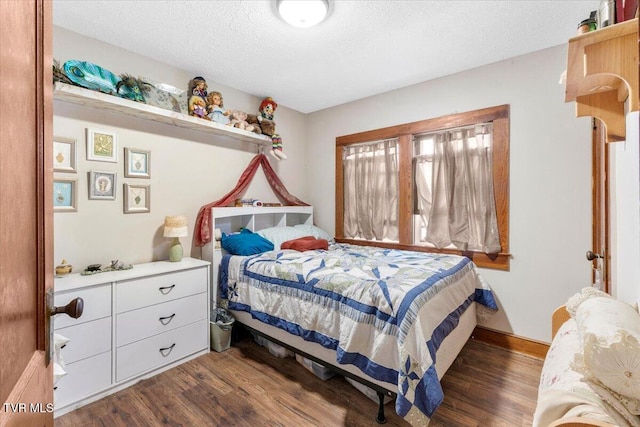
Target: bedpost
pixel 380 419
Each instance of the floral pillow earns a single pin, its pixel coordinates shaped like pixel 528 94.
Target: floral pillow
pixel 610 333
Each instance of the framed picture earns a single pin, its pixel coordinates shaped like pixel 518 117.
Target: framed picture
pixel 102 185
pixel 137 198
pixel 137 163
pixel 64 195
pixel 64 154
pixel 102 146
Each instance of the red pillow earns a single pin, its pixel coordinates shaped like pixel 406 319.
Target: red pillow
pixel 307 243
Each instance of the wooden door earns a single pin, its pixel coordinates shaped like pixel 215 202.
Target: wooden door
pixel 26 212
pixel 599 256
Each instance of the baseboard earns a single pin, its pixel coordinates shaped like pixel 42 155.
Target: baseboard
pixel 510 342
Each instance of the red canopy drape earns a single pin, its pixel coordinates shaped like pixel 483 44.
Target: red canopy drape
pixel 203 221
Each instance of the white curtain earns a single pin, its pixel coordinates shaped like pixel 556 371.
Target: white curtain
pixel 371 190
pixel 454 183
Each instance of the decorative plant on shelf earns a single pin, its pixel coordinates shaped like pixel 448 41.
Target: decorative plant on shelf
pixel 59 75
pixel 133 88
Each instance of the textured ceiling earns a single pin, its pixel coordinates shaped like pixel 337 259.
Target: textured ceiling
pixel 363 48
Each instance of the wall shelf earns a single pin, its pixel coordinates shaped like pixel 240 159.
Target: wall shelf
pixel 95 99
pixel 602 72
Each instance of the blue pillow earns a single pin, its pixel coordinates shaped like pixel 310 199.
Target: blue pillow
pixel 245 243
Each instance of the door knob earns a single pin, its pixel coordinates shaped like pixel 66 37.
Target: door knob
pixel 591 255
pixel 73 309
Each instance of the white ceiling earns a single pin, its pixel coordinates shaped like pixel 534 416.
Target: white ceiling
pixel 363 48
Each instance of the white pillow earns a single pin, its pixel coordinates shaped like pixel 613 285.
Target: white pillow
pixel 314 231
pixel 585 293
pixel 278 235
pixel 610 334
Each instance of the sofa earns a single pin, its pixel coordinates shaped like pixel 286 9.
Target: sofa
pixel 591 373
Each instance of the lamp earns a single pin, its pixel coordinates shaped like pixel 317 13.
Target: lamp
pixel 175 227
pixel 303 13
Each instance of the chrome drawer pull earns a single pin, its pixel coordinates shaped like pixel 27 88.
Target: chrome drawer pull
pixel 166 289
pixel 167 349
pixel 167 319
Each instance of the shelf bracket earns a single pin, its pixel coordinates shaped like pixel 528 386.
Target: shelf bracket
pixel 606 107
pixel 617 57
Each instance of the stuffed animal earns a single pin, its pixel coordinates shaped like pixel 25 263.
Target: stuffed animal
pixel 239 120
pixel 267 109
pixel 252 119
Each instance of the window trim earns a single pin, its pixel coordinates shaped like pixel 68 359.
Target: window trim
pixel 499 115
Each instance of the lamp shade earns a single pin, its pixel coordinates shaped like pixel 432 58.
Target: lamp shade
pixel 176 226
pixel 303 13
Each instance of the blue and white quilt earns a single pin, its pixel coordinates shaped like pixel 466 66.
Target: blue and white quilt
pixel 385 311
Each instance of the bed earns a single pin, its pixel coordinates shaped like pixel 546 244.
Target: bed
pixel 393 320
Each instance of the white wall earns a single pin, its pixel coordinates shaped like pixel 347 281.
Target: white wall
pixel 188 169
pixel 625 214
pixel 550 171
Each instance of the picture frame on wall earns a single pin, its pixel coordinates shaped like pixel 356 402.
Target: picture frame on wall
pixel 65 195
pixel 102 185
pixel 137 163
pixel 137 198
pixel 64 155
pixel 102 145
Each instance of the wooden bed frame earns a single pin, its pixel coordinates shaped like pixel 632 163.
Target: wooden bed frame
pixel 559 316
pixel 231 219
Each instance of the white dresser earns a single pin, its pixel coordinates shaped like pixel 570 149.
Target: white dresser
pixel 135 324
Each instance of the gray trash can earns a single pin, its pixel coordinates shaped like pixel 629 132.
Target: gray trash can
pixel 220 325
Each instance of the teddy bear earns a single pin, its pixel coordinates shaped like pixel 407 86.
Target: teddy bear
pixel 268 126
pixel 239 120
pixel 252 119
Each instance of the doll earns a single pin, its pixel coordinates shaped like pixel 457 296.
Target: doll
pixel 198 87
pixel 215 107
pixel 198 107
pixel 267 109
pixel 198 98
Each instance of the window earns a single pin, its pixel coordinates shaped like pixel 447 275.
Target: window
pixel 385 186
pixel 453 189
pixel 371 190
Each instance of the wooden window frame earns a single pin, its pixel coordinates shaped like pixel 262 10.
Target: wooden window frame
pixel 499 115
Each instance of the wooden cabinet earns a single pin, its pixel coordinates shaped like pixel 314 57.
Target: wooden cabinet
pixel 135 324
pixel 602 73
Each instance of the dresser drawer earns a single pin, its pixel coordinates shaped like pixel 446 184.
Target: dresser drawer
pixel 97 304
pixel 86 339
pixel 83 378
pixel 133 294
pixel 145 322
pixel 142 356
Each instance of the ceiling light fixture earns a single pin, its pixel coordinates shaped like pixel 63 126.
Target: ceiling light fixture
pixel 303 13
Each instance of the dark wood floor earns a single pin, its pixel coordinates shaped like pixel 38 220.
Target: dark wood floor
pixel 247 386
